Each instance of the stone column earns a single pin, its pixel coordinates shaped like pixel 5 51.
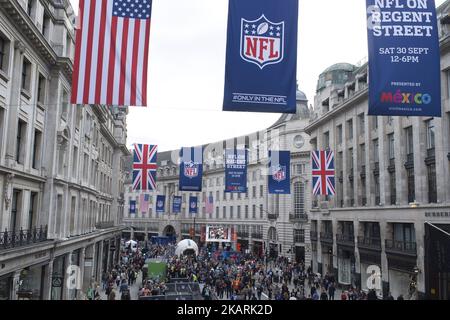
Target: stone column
pixel 15 285
pixel 82 258
pixel 47 294
pixel 65 288
pixel 99 263
pixel 384 261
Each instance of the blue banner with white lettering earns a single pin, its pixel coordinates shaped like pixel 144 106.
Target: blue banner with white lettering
pixel 132 206
pixel 176 205
pixel 191 169
pixel 235 171
pixel 404 58
pixel 160 204
pixel 261 62
pixel 279 172
pixel 193 205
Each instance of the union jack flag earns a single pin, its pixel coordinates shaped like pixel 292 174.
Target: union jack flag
pixel 323 173
pixel 144 167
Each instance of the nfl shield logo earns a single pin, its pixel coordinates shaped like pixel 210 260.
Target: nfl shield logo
pixel 193 205
pixel 191 169
pixel 160 204
pixel 262 41
pixel 279 173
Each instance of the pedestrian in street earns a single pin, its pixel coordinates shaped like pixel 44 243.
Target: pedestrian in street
pixel 390 297
pixel 400 297
pixel 372 295
pixel 323 295
pixel 112 295
pixel 331 291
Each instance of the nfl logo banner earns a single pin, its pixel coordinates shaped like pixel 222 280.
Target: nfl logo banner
pixel 279 172
pixel 176 206
pixel 132 207
pixel 191 169
pixel 160 204
pixel 261 63
pixel 404 58
pixel 193 205
pixel 236 171
pixel 323 173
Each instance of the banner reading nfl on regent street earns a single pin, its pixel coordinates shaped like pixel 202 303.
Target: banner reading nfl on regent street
pixel 261 63
pixel 404 58
pixel 236 171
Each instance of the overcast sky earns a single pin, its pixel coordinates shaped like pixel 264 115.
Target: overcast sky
pixel 187 67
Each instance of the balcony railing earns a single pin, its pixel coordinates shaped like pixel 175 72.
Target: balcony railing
pixel 21 238
pixel 243 234
pixel 346 239
pixel 403 247
pixel 326 237
pixel 313 235
pixel 105 225
pixel 272 216
pixel 369 243
pixel 298 217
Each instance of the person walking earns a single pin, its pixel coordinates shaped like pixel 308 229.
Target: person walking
pixel 331 291
pixel 323 295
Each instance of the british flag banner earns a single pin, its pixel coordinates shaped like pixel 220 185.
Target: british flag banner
pixel 144 167
pixel 323 173
pixel 111 52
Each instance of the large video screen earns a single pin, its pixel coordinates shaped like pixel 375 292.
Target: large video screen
pixel 218 234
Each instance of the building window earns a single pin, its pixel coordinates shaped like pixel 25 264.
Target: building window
pixel 404 232
pixel 430 134
pixel 339 134
pixel 217 213
pixel 32 211
pixel 41 90
pixel 409 141
pixel 299 198
pixel 393 188
pixel 246 212
pixel 390 120
pixel 218 195
pixel 350 161
pixel 254 192
pixel 254 211
pixel 261 211
pixel 65 105
pixel 432 186
pixel 377 190
pixel 362 124
pixel 30 7
pixel 362 149
pixel 375 123
pixel 238 212
pixel 411 185
pixel 448 83
pixel 299 235
pixel 20 141
pixel 350 129
pixel 224 212
pixel 391 145
pixel 376 151
pixel 326 140
pixel 231 212
pixel 261 191
pixel 4 53
pixel 26 75
pixel 37 149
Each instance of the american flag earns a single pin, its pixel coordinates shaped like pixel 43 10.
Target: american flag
pixel 144 202
pixel 144 167
pixel 209 205
pixel 323 173
pixel 111 53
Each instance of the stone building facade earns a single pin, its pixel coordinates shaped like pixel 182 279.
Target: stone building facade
pixel 265 224
pixel 392 176
pixel 61 166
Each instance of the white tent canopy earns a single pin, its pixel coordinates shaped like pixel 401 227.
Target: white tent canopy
pixel 184 245
pixel 130 242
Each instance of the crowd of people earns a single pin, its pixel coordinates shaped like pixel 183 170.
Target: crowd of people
pixel 232 276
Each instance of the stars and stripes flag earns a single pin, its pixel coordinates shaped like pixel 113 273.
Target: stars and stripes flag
pixel 144 167
pixel 209 205
pixel 111 52
pixel 144 202
pixel 323 173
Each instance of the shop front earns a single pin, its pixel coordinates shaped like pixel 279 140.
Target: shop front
pixel 6 287
pixel 74 261
pixel 58 278
pixel 347 276
pixel 258 248
pixel 31 283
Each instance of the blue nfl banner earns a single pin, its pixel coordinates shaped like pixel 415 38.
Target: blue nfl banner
pixel 132 207
pixel 176 205
pixel 261 63
pixel 191 169
pixel 236 171
pixel 279 172
pixel 160 204
pixel 193 205
pixel 404 58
